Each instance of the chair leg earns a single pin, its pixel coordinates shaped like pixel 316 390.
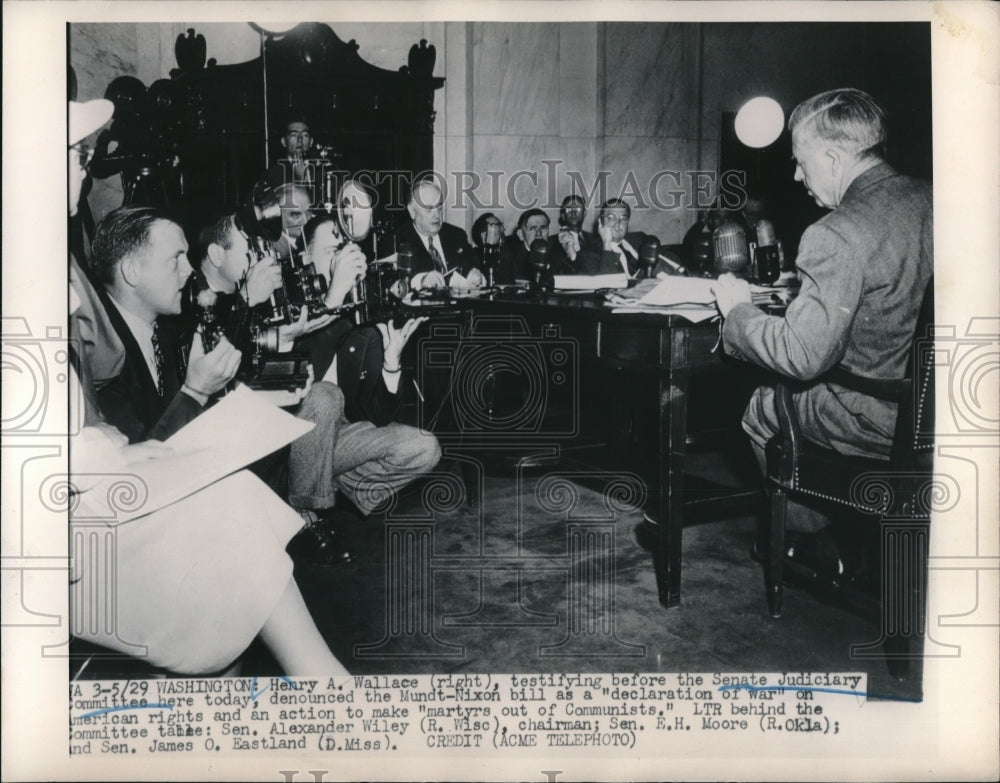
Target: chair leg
pixel 776 551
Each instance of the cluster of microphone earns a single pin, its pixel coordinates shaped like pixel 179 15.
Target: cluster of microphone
pixel 761 260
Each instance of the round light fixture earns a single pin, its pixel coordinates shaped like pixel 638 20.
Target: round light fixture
pixel 759 122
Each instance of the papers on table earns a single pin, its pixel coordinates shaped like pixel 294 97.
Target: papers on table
pixel 684 297
pixel 240 429
pixel 679 290
pixel 589 282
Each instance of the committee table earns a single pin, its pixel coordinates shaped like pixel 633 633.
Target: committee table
pixel 652 352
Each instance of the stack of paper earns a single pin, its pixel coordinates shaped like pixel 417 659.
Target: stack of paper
pixel 240 429
pixel 589 282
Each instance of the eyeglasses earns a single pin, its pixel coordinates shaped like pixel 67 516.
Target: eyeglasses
pixel 615 220
pixel 84 154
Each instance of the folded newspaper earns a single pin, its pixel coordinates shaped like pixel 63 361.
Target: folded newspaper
pixel 240 429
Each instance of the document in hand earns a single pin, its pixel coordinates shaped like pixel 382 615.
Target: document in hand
pixel 237 431
pixel 589 282
pixel 681 291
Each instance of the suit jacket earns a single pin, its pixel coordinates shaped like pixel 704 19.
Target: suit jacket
pixel 359 369
pixel 513 262
pixel 130 401
pixel 457 250
pixel 864 268
pixel 558 260
pixel 593 259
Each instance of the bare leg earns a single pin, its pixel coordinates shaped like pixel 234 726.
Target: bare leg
pixel 293 639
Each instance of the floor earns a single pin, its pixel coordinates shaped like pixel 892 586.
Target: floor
pixel 536 573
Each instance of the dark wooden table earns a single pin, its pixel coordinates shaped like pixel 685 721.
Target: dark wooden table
pixel 667 352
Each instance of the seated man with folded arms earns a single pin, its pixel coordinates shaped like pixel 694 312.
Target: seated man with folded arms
pixel 442 253
pixel 864 269
pixel 182 597
pixel 533 224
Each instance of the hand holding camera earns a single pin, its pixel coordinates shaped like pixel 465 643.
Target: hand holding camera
pixel 209 373
pixel 289 333
pixel 262 278
pixel 349 265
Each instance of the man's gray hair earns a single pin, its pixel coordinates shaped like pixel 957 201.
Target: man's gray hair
pixel 849 118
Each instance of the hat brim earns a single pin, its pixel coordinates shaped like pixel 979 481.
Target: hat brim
pixel 87 117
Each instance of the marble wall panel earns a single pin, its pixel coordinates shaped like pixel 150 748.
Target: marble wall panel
pixel 100 53
pixel 651 80
pixel 515 78
pixel 656 177
pixel 539 172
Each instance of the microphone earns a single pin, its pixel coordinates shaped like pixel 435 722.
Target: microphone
pixel 649 254
pixel 491 249
pixel 405 259
pixel 768 257
pixel 729 242
pixel 538 260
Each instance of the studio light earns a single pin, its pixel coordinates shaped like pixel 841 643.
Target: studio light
pixel 759 122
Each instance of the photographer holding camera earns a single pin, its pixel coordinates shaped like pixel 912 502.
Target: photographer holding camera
pixel 182 596
pixel 360 459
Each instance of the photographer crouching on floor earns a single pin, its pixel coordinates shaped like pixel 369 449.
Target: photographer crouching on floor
pixel 356 448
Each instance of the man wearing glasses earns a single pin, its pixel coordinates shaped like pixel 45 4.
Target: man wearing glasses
pixel 618 251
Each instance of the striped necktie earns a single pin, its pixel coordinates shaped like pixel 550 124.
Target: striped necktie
pixel 158 358
pixel 436 256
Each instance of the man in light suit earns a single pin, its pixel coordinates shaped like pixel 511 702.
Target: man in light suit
pixel 864 268
pixel 442 253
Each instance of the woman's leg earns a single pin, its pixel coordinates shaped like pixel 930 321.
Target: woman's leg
pixel 293 639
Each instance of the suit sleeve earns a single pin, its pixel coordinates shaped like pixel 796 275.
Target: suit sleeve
pixel 813 335
pixel 119 399
pixel 369 399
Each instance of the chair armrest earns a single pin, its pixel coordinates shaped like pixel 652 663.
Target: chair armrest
pixel 888 389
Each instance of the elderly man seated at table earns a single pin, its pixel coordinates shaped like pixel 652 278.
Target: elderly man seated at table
pixel 442 255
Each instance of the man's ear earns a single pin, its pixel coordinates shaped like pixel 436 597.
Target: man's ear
pixel 215 255
pixel 411 209
pixel 128 270
pixel 284 146
pixel 836 157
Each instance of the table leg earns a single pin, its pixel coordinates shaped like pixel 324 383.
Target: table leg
pixel 668 480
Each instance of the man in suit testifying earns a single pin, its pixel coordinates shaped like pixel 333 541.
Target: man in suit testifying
pixel 864 268
pixel 442 253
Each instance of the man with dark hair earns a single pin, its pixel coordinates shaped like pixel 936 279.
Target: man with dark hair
pixel 864 269
pixel 442 253
pixel 618 249
pixel 565 246
pixel 533 224
pixel 296 167
pixel 140 256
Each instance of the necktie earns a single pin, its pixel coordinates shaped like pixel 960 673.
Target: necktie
pixel 158 359
pixel 436 257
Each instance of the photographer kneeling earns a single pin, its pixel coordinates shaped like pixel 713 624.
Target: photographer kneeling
pixel 356 447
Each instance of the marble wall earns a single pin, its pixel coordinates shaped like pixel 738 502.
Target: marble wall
pixel 532 112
